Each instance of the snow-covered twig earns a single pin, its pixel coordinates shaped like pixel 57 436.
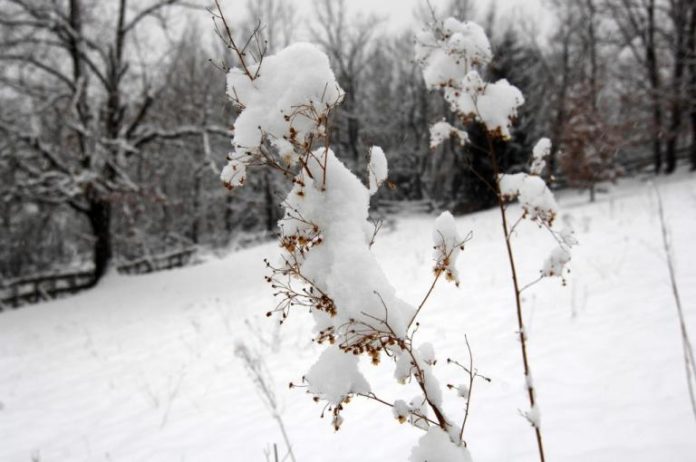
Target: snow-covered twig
pixel 451 54
pixel 465 391
pixel 689 361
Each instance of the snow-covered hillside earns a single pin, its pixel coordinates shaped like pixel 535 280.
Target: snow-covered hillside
pixel 143 368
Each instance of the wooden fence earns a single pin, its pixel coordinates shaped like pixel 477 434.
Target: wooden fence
pixel 33 289
pixel 160 262
pixel 21 291
pixel 391 207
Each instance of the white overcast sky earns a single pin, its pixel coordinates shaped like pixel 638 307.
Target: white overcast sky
pixel 398 14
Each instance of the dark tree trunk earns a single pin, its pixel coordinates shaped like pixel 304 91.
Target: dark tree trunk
pixel 560 119
pixel 196 225
pixel 100 220
pixel 654 77
pixel 271 216
pixel 592 48
pixel 229 215
pixel 671 150
pixel 679 18
pixel 352 123
pixel 99 213
pixel 692 82
pixel 475 188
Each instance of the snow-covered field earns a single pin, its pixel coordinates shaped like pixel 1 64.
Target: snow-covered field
pixel 143 368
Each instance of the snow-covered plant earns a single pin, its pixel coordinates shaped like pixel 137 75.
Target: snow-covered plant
pixel 453 56
pixel 326 267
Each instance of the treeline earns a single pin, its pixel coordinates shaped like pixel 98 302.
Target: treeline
pixel 114 122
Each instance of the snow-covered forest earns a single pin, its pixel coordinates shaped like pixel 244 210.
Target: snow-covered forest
pixel 462 235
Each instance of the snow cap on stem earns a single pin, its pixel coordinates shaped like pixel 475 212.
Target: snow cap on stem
pixel 377 168
pixel 448 244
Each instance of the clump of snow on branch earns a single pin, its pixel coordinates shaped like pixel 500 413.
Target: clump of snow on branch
pixel 530 189
pixel 401 410
pixel 233 175
pixel 567 236
pixel 556 262
pixel 539 205
pixel 440 131
pixel 404 367
pixel 447 245
pixel 335 376
pixel 427 353
pixel 377 168
pixel 533 416
pixel 343 265
pixel 284 101
pixel 450 54
pixel 419 412
pixel 540 152
pixel 533 194
pixel 419 363
pixel 436 446
pixel 493 104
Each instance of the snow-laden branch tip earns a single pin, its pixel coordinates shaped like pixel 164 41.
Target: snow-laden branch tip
pixel 442 130
pixel 377 168
pixel 447 245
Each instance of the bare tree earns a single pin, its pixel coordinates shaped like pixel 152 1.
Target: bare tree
pixel 679 15
pixel 89 97
pixel 277 19
pixel 560 80
pixel 637 24
pixel 347 44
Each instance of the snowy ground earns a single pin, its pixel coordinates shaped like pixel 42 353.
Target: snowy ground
pixel 143 368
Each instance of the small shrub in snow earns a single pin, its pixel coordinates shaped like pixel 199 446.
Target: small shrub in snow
pixel 453 55
pixel 326 267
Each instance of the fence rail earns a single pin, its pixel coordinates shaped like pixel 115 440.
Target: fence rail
pixel 393 207
pixel 32 289
pixel 160 262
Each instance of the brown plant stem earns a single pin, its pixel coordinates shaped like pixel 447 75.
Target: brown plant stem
pixel 518 300
pixel 232 44
pixel 689 362
pixel 425 299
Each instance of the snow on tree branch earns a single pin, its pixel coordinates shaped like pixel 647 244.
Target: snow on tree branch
pixel 286 102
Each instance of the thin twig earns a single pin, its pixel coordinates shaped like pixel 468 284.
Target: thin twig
pixel 425 299
pixel 689 362
pixel 232 44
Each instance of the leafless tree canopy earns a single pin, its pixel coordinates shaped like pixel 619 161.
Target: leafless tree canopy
pixel 114 122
